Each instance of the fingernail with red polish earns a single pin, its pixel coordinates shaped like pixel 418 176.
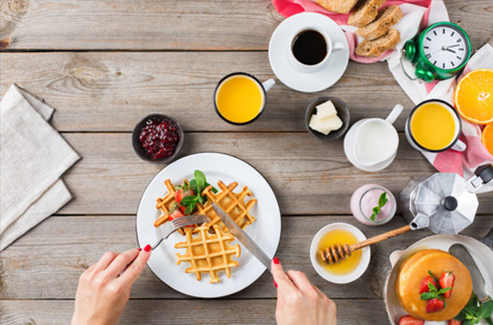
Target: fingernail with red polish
pixel 147 248
pixel 275 283
pixel 139 249
pixel 275 260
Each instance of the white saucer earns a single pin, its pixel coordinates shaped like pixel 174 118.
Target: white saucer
pixel 302 81
pixel 349 140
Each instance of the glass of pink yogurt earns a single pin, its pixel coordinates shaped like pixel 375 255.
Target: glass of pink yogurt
pixel 365 198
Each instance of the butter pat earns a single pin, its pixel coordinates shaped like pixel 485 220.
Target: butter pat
pixel 326 110
pixel 325 126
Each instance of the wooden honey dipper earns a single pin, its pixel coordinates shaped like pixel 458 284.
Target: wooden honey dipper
pixel 338 253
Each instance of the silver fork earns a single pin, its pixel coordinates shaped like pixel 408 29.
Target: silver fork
pixel 175 224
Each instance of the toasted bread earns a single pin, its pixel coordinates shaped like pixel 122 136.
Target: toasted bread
pixel 386 18
pixel 339 6
pixel 373 48
pixel 365 12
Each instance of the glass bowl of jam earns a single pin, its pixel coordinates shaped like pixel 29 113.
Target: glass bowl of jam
pixel 157 138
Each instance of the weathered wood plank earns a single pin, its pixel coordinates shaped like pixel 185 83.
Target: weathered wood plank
pixel 47 262
pixel 308 176
pixel 154 312
pixel 113 91
pixel 134 24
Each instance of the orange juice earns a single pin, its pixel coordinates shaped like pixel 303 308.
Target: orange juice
pixel 239 99
pixel 433 126
pixel 339 236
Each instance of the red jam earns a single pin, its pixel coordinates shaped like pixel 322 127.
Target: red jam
pixel 159 138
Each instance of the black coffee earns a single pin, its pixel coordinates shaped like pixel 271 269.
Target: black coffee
pixel 309 47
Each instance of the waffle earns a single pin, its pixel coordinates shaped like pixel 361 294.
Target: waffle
pixel 166 203
pixel 233 204
pixel 208 252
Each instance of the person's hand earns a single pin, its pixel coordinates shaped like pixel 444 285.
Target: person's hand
pixel 300 302
pixel 104 288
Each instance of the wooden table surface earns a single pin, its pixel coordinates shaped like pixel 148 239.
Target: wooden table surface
pixel 106 64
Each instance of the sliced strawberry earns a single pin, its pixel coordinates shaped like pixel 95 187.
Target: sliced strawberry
pixel 424 287
pixel 434 305
pixel 175 214
pixel 178 197
pixel 447 281
pixel 410 320
pixel 454 322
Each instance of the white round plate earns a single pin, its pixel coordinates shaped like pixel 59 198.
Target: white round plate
pixel 265 231
pixel 280 44
pixel 349 143
pixel 482 255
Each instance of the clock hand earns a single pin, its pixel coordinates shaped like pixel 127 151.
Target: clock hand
pixel 450 50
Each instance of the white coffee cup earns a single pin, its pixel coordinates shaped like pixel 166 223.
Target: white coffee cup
pixel 377 140
pixel 315 67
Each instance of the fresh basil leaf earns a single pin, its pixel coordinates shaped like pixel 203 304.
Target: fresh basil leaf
pixel 428 295
pixel 489 320
pixel 376 210
pixel 200 179
pixel 187 200
pixel 442 291
pixel 193 186
pixel 485 310
pixel 382 200
pixel 189 209
pixel 432 287
pixel 373 217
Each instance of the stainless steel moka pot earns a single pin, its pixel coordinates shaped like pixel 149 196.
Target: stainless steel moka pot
pixel 444 202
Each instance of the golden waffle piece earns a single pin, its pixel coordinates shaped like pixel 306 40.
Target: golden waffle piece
pixel 166 203
pixel 208 252
pixel 233 204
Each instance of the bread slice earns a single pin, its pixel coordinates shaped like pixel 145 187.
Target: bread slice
pixel 373 48
pixel 340 6
pixel 365 12
pixel 387 17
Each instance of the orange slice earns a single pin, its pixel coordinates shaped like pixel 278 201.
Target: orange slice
pixel 474 96
pixel 487 137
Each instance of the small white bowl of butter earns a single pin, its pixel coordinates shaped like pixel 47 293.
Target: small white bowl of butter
pixel 327 118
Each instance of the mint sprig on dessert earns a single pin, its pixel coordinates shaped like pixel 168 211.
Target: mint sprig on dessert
pixel 476 310
pixel 382 200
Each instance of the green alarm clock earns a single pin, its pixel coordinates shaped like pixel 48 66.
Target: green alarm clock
pixel 440 52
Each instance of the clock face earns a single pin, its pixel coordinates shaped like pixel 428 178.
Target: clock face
pixel 445 47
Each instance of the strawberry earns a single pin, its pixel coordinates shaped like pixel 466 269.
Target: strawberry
pixel 454 322
pixel 434 305
pixel 447 281
pixel 175 214
pixel 424 287
pixel 410 320
pixel 180 194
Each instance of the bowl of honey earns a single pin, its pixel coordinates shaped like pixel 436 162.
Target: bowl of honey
pixel 345 271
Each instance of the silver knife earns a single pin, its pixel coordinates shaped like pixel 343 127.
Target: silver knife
pixel 243 237
pixel 478 284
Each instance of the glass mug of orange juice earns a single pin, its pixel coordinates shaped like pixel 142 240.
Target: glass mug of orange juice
pixel 240 98
pixel 434 126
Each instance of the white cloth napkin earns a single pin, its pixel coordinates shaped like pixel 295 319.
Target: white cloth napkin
pixel 33 157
